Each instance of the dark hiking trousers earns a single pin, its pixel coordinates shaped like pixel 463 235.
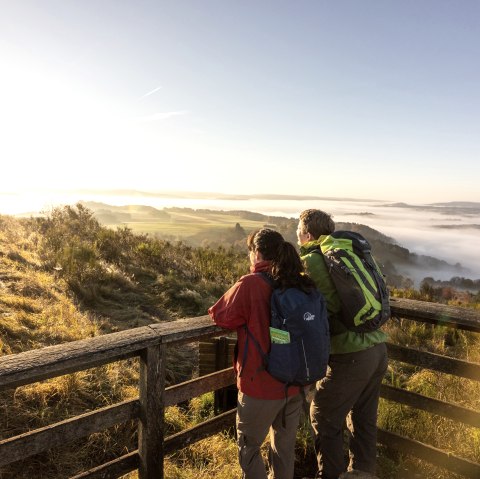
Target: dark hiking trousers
pixel 351 388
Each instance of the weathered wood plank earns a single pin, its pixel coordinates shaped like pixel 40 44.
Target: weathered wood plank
pixel 188 329
pixel 36 365
pixel 28 444
pixel 429 454
pixel 434 406
pixel 31 366
pixel 130 462
pixel 113 469
pixel 151 424
pixel 196 387
pixel 33 442
pixel 435 313
pixel 434 361
pixel 215 354
pixel 187 437
pixel 52 361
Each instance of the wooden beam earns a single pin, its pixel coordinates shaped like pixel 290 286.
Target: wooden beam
pixel 436 362
pixel 30 443
pixel 152 406
pixel 25 445
pixel 435 313
pixel 207 428
pixel 112 469
pixel 196 387
pixel 124 464
pixel 434 406
pixel 52 361
pixel 429 454
pixel 186 330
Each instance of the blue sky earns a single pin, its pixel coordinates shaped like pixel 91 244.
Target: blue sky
pixel 354 98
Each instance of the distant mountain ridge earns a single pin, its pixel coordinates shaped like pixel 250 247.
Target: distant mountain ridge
pixel 463 208
pixel 217 195
pixel 203 227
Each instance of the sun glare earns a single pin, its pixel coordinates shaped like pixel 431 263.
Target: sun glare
pixel 57 131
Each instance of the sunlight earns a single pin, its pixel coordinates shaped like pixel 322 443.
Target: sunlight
pixel 58 134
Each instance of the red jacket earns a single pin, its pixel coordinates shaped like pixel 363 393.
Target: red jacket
pixel 247 302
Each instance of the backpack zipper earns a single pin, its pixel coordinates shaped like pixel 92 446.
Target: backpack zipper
pixel 305 360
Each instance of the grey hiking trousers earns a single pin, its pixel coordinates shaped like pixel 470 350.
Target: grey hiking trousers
pixel 349 391
pixel 255 418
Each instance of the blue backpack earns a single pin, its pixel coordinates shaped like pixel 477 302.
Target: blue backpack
pixel 299 336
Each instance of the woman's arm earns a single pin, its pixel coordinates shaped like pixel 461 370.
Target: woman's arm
pixel 232 309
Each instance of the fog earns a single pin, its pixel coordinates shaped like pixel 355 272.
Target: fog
pixel 448 232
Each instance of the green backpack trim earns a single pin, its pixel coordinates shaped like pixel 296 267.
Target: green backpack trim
pixel 358 280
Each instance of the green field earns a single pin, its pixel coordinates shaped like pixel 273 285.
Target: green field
pixel 193 226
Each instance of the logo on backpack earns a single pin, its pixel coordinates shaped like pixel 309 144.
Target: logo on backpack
pixel 308 316
pixel 358 280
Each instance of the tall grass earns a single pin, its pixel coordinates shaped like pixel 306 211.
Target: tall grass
pixel 445 434
pixel 65 277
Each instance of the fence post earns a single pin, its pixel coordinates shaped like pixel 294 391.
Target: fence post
pixel 225 398
pixel 152 404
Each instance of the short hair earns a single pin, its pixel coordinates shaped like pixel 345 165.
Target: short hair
pixel 316 222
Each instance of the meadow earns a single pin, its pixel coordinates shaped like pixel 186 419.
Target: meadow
pixel 65 276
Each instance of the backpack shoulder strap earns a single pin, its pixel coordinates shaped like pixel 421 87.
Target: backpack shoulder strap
pixel 267 277
pixel 264 356
pixel 248 335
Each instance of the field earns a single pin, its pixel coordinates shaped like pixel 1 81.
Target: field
pixel 186 225
pixel 193 226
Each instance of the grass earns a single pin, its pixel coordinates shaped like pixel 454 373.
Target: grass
pixel 65 277
pixel 183 224
pixel 451 436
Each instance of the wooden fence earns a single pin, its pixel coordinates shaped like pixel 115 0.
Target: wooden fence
pixel 149 343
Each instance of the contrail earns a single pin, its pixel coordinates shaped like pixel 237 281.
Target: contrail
pixel 151 92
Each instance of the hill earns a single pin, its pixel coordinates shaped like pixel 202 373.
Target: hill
pixel 65 277
pixel 202 227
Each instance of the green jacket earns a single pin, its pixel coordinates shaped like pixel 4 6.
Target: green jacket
pixel 342 340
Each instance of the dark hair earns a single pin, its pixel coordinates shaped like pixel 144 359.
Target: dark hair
pixel 287 267
pixel 316 222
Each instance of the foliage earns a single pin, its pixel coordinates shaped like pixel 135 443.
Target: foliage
pixel 132 279
pixel 451 436
pixel 65 277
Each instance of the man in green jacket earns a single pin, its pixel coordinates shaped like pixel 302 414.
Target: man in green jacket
pixel 357 364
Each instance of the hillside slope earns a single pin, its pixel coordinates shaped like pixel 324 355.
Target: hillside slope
pixel 203 227
pixel 65 276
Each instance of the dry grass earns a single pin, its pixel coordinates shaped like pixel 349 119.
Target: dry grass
pixel 451 436
pixel 36 310
pixel 39 307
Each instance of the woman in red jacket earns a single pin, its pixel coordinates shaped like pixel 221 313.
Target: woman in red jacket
pixel 261 398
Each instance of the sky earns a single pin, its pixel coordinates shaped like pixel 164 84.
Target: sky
pixel 371 99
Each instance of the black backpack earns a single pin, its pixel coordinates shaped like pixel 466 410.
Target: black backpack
pixel 358 280
pixel 299 336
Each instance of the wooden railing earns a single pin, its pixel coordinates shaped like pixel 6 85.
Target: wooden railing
pixel 149 343
pixel 451 317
